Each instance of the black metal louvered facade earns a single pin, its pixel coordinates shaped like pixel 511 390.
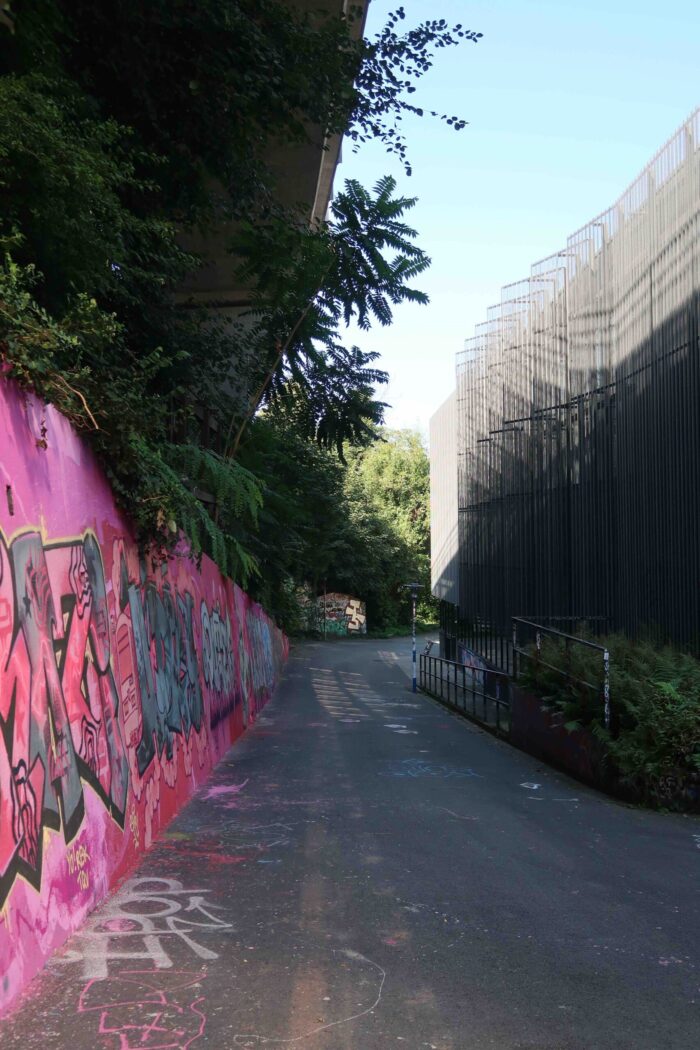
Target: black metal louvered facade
pixel 578 419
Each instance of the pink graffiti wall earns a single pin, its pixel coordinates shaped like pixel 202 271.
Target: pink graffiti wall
pixel 121 685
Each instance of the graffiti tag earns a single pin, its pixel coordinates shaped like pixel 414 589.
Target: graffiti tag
pixel 140 922
pixel 146 1009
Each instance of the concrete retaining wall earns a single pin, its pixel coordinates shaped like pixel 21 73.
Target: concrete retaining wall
pixel 121 685
pixel 541 733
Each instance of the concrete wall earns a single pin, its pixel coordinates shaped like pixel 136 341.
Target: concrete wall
pixel 337 614
pixel 121 685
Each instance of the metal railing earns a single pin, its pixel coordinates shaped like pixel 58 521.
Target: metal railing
pixel 532 651
pixel 479 693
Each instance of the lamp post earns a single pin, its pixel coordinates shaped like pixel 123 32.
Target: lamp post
pixel 414 588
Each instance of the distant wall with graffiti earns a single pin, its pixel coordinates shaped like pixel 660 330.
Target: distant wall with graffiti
pixel 122 683
pixel 335 614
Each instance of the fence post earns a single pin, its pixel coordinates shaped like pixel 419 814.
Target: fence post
pixel 464 688
pixel 473 691
pixel 498 704
pixel 606 687
pixel 567 658
pixel 515 649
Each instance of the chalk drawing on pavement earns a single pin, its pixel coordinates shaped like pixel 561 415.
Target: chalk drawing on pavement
pixel 141 922
pixel 254 1039
pixel 156 1009
pixel 417 767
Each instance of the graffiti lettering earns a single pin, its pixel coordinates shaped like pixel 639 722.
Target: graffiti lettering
pixel 334 613
pixel 123 680
pixel 261 653
pixel 77 858
pixel 58 698
pixel 171 696
pixel 134 826
pixel 217 663
pixel 355 612
pixel 140 921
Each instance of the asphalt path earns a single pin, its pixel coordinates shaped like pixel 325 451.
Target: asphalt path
pixel 366 870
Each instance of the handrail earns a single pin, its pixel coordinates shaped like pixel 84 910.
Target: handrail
pixel 557 670
pixel 559 634
pixel 456 663
pixel 540 629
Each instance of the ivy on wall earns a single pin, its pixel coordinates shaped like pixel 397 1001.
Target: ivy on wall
pixel 123 125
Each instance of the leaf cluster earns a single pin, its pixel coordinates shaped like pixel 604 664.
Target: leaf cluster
pixel 308 283
pixel 391 65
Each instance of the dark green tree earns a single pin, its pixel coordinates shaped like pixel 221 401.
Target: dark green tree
pixel 124 125
pixel 308 282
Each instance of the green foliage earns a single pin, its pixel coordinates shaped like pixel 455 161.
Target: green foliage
pixel 326 524
pixel 392 477
pixel 308 281
pixel 155 479
pixel 655 702
pixel 125 126
pixel 391 65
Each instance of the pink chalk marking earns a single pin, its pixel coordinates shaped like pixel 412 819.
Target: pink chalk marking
pixel 147 1009
pixel 224 790
pixel 120 925
pixel 185 851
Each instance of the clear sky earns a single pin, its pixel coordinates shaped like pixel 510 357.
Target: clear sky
pixel 567 101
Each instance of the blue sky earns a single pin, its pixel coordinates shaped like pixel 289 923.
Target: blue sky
pixel 567 101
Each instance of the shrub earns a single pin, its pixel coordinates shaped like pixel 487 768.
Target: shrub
pixel 654 736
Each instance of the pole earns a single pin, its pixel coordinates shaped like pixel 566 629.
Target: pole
pixel 414 640
pixel 324 610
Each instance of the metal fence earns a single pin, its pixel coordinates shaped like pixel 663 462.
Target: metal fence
pixel 528 649
pixel 578 423
pixel 479 693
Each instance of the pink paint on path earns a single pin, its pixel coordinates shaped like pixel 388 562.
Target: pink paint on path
pixel 224 790
pixel 146 1010
pixel 122 684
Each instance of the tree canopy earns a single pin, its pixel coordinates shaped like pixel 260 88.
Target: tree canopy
pixel 122 127
pixel 359 528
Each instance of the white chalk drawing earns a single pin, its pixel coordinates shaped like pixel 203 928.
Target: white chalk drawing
pixel 457 815
pixel 417 767
pixel 258 836
pixel 531 787
pixel 256 1039
pixel 140 922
